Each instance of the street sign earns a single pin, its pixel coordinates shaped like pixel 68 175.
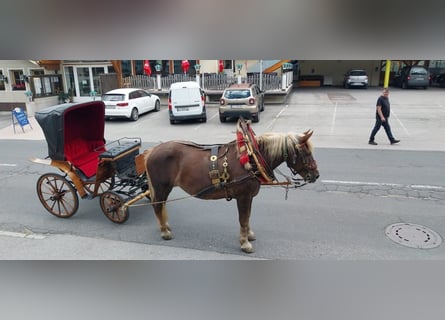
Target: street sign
pixel 19 117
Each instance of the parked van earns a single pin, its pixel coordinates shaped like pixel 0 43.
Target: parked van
pixel 186 100
pixel 412 76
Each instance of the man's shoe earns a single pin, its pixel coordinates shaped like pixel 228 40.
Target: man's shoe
pixel 372 142
pixel 395 141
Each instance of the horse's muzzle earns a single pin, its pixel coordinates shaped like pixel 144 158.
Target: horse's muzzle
pixel 311 176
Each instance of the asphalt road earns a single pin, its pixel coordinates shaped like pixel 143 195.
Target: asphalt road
pixel 343 216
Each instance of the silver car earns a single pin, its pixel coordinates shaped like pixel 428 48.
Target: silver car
pixel 246 100
pixel 356 78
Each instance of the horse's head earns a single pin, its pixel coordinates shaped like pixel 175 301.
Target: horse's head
pixel 299 159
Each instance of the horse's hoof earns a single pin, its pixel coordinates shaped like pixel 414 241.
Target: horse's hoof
pixel 166 235
pixel 251 236
pixel 247 248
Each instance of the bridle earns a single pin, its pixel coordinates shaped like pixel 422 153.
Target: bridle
pixel 299 150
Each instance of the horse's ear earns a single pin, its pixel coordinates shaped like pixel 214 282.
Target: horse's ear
pixel 306 136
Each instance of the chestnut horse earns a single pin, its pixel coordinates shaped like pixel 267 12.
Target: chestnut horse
pixel 187 165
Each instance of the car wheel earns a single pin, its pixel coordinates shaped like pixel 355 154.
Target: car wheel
pixel 222 118
pixel 172 121
pixel 157 105
pixel 134 114
pixel 262 106
pixel 404 85
pixel 256 118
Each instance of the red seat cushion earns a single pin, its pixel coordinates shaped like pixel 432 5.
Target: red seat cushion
pixel 84 155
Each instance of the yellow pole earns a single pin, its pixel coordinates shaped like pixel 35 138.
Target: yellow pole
pixel 387 71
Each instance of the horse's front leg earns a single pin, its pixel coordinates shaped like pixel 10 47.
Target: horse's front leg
pixel 162 217
pixel 246 234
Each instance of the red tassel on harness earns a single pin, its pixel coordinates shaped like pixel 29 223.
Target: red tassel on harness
pixel 242 149
pixel 244 158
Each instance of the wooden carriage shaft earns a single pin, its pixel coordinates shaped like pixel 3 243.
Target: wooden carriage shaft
pixel 136 199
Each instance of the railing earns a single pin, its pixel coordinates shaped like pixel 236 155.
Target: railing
pixel 208 81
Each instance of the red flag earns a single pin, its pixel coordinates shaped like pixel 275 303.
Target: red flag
pixel 147 68
pixel 185 64
pixel 220 66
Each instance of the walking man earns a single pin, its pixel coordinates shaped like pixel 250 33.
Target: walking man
pixel 382 118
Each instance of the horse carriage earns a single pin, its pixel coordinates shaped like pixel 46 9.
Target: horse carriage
pixel 90 167
pixel 120 175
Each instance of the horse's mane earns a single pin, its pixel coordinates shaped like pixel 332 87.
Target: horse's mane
pixel 274 144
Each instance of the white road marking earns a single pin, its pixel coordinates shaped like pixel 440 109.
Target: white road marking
pixel 271 124
pixel 414 186
pixel 400 122
pixel 8 165
pixel 333 118
pixel 22 235
pixel 199 126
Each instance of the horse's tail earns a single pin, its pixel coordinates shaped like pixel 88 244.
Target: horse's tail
pixel 147 154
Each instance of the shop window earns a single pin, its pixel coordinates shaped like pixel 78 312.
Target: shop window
pixel 45 85
pixel 2 81
pixel 126 68
pixel 228 65
pixel 17 80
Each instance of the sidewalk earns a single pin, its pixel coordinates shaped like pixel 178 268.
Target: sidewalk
pixel 30 246
pixel 32 132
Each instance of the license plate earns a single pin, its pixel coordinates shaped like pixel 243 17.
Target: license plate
pixel 236 106
pixel 110 107
pixel 420 79
pixel 183 109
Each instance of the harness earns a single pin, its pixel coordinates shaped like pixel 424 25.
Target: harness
pixel 217 178
pixel 250 158
pixel 249 155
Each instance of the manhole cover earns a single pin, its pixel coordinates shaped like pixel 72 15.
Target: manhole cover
pixel 413 235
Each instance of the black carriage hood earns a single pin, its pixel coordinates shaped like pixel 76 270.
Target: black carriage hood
pixel 69 121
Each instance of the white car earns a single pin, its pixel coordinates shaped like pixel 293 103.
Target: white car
pixel 129 103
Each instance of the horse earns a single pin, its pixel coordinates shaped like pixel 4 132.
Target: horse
pixel 215 172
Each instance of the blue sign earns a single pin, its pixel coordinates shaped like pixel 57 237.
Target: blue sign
pixel 20 118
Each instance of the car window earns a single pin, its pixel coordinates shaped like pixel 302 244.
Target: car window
pixel 358 73
pixel 133 95
pixel 237 94
pixel 418 71
pixel 113 97
pixel 143 93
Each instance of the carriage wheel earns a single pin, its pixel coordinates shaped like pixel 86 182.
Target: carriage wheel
pixel 111 204
pixel 57 195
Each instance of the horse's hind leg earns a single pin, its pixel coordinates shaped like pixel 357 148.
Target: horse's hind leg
pixel 160 209
pixel 246 234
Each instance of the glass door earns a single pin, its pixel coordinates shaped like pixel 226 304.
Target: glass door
pixel 83 76
pixel 96 72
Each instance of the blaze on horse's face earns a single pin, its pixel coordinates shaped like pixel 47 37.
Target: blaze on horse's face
pixel 302 162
